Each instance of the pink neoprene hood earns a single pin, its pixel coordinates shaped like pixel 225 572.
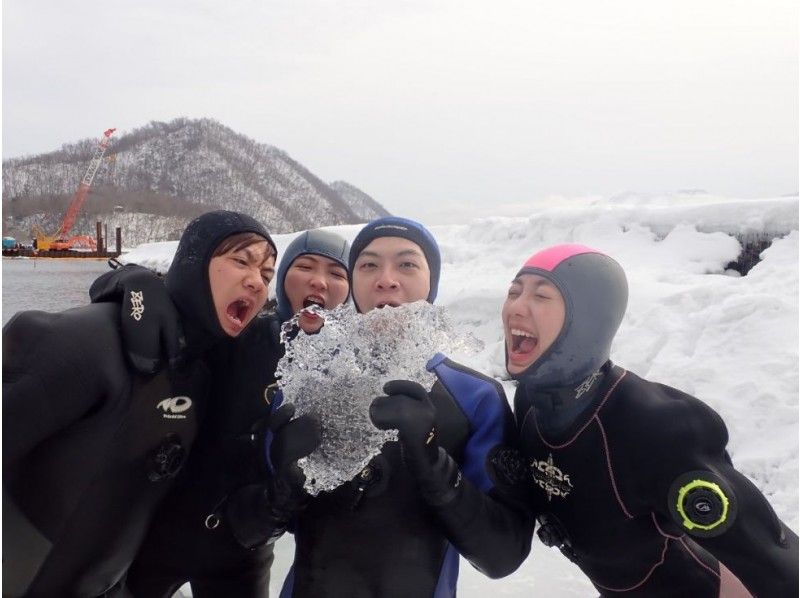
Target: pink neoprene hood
pixel 548 259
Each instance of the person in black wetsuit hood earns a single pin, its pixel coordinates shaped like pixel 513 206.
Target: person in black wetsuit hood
pixel 215 529
pixel 633 480
pixel 90 447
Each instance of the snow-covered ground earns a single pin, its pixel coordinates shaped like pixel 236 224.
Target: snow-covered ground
pixel 730 340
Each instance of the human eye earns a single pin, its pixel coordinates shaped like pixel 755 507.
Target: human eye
pixel 543 293
pixel 515 290
pixel 367 265
pixel 339 273
pixel 409 265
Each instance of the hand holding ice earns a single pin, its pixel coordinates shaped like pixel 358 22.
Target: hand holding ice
pixel 336 374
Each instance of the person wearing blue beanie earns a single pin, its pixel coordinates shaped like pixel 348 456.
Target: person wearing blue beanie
pixel 403 228
pixel 440 491
pixel 313 271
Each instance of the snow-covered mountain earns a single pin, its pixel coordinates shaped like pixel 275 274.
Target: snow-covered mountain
pixel 362 204
pixel 157 177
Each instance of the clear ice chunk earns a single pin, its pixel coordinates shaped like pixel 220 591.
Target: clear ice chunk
pixel 336 374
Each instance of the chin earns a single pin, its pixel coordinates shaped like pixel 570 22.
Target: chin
pixel 311 329
pixel 514 370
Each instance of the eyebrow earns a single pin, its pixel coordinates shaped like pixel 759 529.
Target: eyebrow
pixel 402 252
pixel 251 257
pixel 318 259
pixel 307 256
pixel 538 283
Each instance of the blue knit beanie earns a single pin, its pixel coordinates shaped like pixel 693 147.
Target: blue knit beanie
pixel 394 226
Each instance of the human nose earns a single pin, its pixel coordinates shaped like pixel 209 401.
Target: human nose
pixel 517 306
pixel 318 281
pixel 254 281
pixel 386 279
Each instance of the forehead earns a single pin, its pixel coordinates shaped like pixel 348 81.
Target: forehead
pixel 532 281
pixel 387 247
pixel 259 252
pixel 317 259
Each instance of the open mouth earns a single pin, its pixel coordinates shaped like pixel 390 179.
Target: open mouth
pixel 311 305
pixel 383 304
pixel 523 343
pixel 314 300
pixel 238 311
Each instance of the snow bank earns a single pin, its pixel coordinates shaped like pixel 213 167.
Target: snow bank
pixel 730 340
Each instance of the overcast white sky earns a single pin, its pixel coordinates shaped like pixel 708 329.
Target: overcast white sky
pixel 439 110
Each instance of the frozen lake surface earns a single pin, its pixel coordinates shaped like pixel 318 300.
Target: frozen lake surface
pixel 47 284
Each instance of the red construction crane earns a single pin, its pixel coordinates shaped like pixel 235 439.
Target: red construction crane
pixel 60 239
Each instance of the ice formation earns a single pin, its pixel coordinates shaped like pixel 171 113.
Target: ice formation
pixel 336 374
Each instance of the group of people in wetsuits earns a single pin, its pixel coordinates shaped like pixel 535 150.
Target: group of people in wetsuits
pixel 145 445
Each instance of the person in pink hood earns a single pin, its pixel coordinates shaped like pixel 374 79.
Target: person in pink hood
pixel 632 479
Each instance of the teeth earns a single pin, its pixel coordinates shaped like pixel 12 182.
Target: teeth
pixel 313 301
pixel 518 332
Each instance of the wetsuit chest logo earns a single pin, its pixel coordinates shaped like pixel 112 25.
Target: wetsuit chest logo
pixel 550 478
pixel 175 407
pixel 137 305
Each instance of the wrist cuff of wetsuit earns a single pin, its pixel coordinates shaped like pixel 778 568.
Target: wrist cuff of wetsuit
pixel 444 481
pixel 261 530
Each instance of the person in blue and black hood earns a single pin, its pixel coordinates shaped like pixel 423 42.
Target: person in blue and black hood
pixel 398 528
pixel 91 446
pixel 215 530
pixel 633 479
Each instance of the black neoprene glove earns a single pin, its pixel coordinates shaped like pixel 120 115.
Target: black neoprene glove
pixel 260 513
pixel 408 409
pixel 151 331
pixel 292 439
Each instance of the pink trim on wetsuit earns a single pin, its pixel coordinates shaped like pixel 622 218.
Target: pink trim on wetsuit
pixel 549 258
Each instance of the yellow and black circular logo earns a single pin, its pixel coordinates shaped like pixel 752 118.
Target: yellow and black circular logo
pixel 702 503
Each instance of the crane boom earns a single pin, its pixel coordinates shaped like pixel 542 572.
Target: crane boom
pixel 83 189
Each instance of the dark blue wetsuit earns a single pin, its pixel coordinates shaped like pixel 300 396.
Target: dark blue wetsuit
pixel 378 537
pixel 610 471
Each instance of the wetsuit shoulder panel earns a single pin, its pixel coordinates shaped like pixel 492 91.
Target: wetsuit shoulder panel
pixel 484 404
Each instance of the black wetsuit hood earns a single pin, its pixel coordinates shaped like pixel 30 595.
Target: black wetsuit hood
pixel 187 279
